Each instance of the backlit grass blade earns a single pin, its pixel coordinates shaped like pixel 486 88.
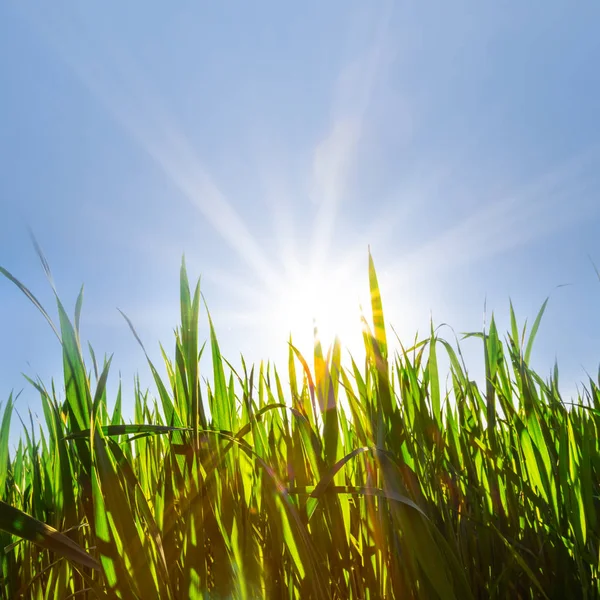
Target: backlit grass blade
pixel 534 330
pixel 117 411
pixel 221 410
pixel 434 382
pixel 190 308
pixel 116 430
pixel 4 436
pixel 77 385
pixel 31 297
pixel 377 309
pixel 20 524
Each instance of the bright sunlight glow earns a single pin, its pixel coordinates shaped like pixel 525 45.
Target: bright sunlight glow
pixel 328 299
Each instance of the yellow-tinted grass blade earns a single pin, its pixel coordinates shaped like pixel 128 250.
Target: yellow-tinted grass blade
pixel 377 309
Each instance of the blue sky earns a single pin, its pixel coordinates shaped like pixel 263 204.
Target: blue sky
pixel 272 143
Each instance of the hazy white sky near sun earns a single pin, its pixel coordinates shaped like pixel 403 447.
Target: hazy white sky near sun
pixel 270 140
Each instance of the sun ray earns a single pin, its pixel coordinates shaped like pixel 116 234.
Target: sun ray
pixel 116 80
pixel 335 153
pixel 538 207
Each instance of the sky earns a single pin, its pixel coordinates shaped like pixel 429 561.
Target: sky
pixel 272 144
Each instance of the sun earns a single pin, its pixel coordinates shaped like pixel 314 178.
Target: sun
pixel 321 299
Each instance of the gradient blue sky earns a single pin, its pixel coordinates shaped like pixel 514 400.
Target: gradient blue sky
pixel 268 140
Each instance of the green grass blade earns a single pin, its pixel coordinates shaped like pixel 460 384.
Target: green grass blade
pixel 20 524
pixel 534 330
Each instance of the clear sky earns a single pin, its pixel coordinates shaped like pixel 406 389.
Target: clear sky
pixel 272 142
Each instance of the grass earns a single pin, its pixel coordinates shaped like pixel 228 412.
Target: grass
pixel 412 491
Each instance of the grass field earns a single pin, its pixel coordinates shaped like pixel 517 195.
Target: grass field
pixel 412 491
